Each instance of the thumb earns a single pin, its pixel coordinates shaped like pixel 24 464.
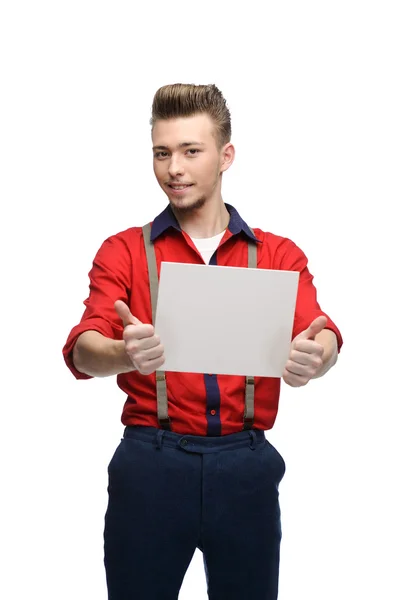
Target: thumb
pixel 314 328
pixel 124 313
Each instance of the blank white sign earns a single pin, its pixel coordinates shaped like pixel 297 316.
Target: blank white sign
pixel 225 320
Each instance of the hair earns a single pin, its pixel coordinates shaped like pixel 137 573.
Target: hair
pixel 187 99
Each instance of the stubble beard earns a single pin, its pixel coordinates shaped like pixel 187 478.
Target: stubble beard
pixel 186 209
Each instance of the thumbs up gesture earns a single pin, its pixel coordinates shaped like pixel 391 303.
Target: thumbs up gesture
pixel 141 344
pixel 305 359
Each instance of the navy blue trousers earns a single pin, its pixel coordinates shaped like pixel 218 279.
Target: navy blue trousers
pixel 170 494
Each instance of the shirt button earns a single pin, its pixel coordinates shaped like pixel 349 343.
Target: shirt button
pixel 184 442
pixel 213 412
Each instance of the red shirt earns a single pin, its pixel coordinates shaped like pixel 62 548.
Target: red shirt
pixel 199 404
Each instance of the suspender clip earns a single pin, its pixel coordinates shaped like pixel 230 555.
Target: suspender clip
pixel 165 423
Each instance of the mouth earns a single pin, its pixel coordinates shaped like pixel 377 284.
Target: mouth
pixel 179 189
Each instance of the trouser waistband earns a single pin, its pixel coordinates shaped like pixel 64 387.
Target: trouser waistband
pixel 196 443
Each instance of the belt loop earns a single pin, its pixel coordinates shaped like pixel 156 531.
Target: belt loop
pixel 159 439
pixel 253 440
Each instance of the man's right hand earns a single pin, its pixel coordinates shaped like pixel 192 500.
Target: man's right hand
pixel 143 347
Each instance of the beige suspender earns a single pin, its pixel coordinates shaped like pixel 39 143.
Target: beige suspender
pixel 162 395
pixel 249 412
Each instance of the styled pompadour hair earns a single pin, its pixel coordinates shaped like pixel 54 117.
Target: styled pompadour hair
pixel 186 100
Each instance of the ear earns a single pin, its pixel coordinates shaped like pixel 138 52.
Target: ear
pixel 227 155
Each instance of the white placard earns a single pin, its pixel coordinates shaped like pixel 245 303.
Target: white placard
pixel 225 320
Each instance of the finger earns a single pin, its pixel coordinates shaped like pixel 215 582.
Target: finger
pixel 125 315
pixel 308 371
pixel 139 338
pixel 306 360
pixel 136 345
pixel 151 366
pixel 315 327
pixel 141 358
pixel 296 369
pixel 294 380
pixel 307 347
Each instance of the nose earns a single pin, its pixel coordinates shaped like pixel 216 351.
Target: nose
pixel 175 167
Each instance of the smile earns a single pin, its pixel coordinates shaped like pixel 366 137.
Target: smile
pixel 178 189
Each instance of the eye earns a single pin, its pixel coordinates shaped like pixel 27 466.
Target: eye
pixel 158 154
pixel 193 150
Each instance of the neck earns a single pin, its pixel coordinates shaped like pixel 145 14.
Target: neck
pixel 205 222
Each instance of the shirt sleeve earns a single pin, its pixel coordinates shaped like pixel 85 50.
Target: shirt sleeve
pixel 110 280
pixel 307 307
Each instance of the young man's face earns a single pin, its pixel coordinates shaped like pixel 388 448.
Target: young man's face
pixel 186 154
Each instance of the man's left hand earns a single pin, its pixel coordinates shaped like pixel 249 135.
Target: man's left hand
pixel 306 356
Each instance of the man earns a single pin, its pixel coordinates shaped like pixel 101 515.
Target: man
pixel 194 469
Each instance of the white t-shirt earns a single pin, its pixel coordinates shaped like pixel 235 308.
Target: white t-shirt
pixel 207 246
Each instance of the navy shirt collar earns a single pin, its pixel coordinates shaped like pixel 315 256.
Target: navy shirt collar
pixel 167 219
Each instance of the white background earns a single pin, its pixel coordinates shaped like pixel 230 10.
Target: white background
pixel 313 92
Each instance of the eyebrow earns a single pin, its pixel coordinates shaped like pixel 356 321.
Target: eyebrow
pixel 182 145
